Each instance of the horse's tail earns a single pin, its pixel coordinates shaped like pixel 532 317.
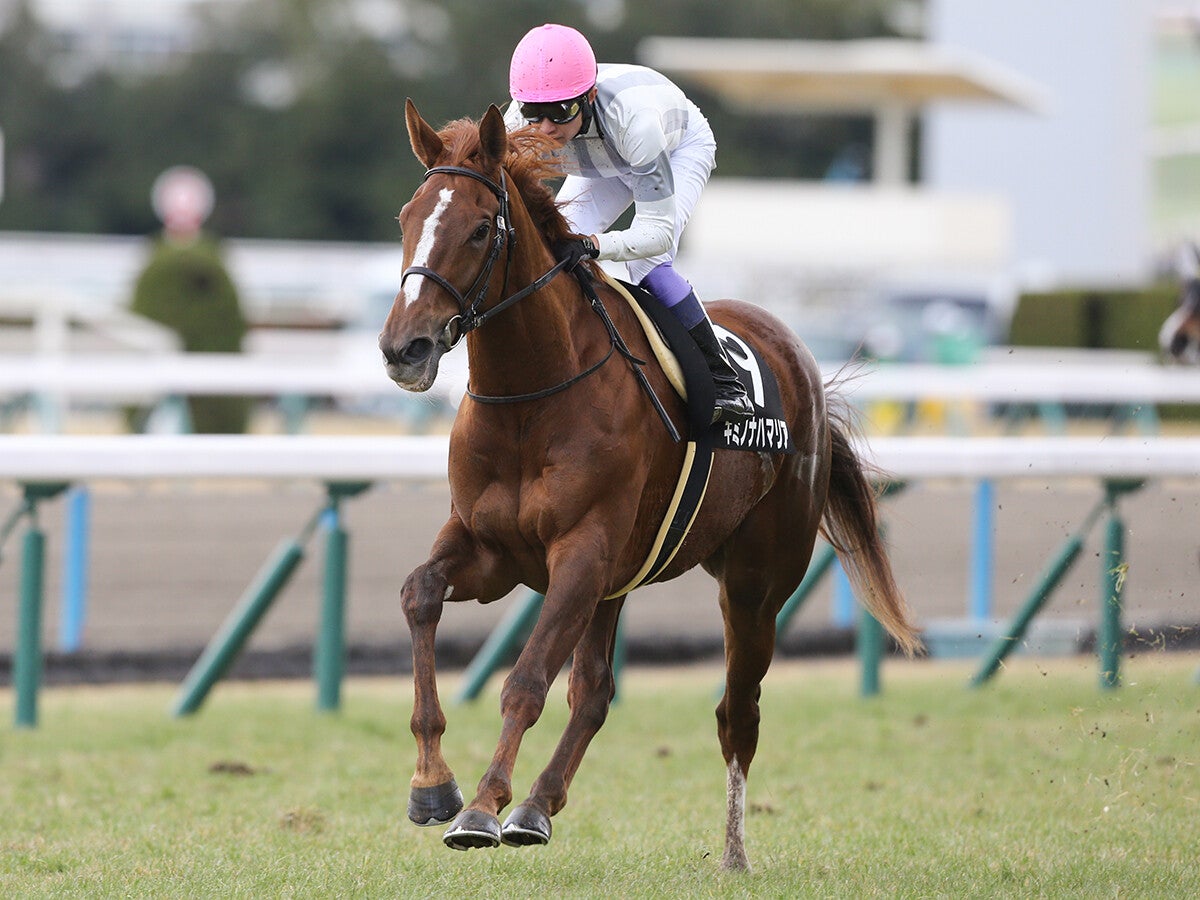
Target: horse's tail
pixel 850 524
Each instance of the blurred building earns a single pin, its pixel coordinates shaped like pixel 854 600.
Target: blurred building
pixel 1078 177
pixel 1059 145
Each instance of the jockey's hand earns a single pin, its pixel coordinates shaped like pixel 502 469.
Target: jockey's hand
pixel 573 250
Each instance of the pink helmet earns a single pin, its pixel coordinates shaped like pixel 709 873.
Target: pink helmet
pixel 552 62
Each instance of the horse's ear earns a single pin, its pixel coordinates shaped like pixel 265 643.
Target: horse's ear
pixel 493 139
pixel 425 141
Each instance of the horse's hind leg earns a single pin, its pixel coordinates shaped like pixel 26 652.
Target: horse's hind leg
pixel 589 693
pixel 749 645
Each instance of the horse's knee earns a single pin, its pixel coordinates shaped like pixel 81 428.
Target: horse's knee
pixel 523 699
pixel 422 597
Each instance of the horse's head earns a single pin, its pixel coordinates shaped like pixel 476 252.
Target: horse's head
pixel 455 228
pixel 1179 336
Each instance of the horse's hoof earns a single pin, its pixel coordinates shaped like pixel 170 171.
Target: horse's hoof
pixel 526 827
pixel 473 829
pixel 435 805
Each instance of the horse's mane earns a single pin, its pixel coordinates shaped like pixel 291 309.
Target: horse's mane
pixel 529 166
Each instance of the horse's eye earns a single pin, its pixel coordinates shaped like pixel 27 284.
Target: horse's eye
pixel 482 232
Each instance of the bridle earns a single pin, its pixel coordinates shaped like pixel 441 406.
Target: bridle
pixel 469 317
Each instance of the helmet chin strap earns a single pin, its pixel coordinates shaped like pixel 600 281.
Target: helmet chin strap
pixel 588 116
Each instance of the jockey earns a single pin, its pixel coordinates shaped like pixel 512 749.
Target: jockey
pixel 625 134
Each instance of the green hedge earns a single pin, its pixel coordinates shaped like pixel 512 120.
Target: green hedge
pixel 1110 320
pixel 186 287
pixel 1114 319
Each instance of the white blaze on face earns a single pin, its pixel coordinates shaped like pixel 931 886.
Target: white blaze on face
pixel 425 245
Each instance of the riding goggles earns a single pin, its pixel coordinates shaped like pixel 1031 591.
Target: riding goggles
pixel 560 112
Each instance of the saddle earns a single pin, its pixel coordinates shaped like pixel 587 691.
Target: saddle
pixel 689 375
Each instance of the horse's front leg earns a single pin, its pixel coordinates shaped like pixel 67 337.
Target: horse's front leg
pixel 589 694
pixel 453 571
pixel 570 601
pixel 434 797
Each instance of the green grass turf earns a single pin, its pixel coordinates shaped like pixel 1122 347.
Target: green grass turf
pixel 1037 784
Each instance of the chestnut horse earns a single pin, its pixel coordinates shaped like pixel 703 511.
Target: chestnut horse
pixel 1179 336
pixel 564 488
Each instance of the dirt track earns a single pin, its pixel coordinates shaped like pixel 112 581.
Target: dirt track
pixel 168 563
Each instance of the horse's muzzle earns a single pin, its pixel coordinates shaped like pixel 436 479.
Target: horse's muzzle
pixel 412 365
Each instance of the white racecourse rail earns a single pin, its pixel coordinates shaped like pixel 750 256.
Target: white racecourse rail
pixel 117 378
pixel 70 458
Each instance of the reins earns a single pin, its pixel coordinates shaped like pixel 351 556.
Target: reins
pixel 470 317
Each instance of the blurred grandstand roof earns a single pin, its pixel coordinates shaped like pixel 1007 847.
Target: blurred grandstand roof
pixel 774 75
pixel 888 78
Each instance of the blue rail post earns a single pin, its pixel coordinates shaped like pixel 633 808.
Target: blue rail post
pixel 329 656
pixel 982 551
pixel 843 597
pixel 75 570
pixel 27 655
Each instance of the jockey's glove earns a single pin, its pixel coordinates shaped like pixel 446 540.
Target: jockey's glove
pixel 573 250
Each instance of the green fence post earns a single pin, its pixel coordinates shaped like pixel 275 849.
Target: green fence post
pixel 1109 643
pixel 1109 638
pixel 1007 642
pixel 27 661
pixel 235 630
pixel 27 654
pixel 816 571
pixel 870 652
pixel 329 657
pixel 507 634
pixel 870 638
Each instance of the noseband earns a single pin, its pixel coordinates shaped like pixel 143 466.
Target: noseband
pixel 469 317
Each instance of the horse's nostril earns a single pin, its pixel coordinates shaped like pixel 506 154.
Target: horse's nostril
pixel 412 353
pixel 416 351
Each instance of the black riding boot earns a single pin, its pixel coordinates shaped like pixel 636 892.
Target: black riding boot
pixel 732 404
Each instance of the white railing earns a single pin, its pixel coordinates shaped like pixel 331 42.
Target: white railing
pixel 110 378
pixel 71 458
pixel 44 465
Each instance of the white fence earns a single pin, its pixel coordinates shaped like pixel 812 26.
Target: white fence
pixel 48 458
pixel 359 374
pixel 43 465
